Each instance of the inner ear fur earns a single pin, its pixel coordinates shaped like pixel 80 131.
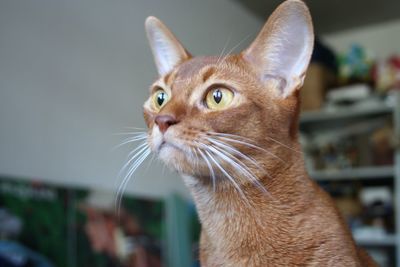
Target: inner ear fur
pixel 168 52
pixel 282 50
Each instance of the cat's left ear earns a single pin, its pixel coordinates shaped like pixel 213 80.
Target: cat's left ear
pixel 282 50
pixel 167 50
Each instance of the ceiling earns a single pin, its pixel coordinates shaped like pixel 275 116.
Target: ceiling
pixel 332 16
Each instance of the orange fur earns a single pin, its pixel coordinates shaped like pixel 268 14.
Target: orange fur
pixel 293 222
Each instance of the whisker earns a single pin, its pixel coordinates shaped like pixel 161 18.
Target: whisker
pixel 210 168
pixel 272 139
pixel 223 145
pixel 234 183
pixel 194 155
pixel 130 140
pixel 139 149
pixel 230 159
pixel 247 144
pixel 127 164
pixel 225 46
pixel 131 133
pixel 150 161
pixel 234 47
pixel 143 155
pixel 237 152
pixel 282 144
pixel 135 128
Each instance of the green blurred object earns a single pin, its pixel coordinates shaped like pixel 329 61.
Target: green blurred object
pixel 355 66
pixel 54 224
pixel 178 232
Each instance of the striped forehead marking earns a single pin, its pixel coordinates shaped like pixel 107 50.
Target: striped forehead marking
pixel 193 66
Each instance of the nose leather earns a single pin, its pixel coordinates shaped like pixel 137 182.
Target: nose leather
pixel 164 121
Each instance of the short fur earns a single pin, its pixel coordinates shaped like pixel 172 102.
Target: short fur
pixel 275 215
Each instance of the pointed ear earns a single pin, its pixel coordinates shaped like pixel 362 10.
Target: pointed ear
pixel 282 50
pixel 167 50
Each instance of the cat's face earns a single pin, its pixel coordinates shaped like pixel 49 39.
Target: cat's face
pixel 214 116
pixel 201 98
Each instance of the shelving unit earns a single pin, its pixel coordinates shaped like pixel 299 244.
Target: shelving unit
pixel 355 173
pixel 389 240
pixel 309 121
pixel 348 113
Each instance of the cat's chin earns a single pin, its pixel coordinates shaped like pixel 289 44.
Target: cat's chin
pixel 168 153
pixel 178 160
pixel 173 156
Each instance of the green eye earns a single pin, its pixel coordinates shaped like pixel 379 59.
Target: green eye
pixel 219 98
pixel 160 97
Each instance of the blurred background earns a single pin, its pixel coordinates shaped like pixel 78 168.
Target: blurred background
pixel 74 75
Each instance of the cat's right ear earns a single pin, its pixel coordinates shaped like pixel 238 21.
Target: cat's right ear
pixel 167 50
pixel 282 50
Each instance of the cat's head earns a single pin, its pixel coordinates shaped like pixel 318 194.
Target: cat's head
pixel 216 116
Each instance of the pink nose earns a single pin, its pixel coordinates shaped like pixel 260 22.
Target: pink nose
pixel 164 121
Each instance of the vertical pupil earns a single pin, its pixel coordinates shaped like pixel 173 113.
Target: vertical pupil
pixel 217 94
pixel 161 98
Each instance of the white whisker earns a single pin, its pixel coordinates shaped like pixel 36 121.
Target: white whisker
pixel 223 49
pixel 234 183
pixel 130 133
pixel 209 167
pixel 234 47
pixel 282 144
pixel 131 140
pixel 150 162
pixel 134 128
pixel 239 166
pixel 142 147
pixel 143 155
pixel 229 139
pixel 225 146
pixel 247 139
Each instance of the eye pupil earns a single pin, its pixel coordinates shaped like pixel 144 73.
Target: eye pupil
pixel 161 98
pixel 217 95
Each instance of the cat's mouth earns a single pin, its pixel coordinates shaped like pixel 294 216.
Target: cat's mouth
pixel 166 145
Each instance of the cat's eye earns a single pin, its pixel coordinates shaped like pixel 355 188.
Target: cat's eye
pixel 219 98
pixel 160 98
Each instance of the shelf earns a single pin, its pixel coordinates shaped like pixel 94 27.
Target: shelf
pixel 356 173
pixel 389 240
pixel 345 113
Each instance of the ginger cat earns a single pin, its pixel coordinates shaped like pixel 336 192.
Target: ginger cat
pixel 229 126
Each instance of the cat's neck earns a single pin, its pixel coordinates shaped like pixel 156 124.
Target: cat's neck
pixel 227 216
pixel 288 184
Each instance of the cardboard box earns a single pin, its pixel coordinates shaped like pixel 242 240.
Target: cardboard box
pixel 318 79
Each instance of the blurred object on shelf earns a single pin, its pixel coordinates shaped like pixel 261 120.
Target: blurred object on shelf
pixel 313 91
pixel 349 94
pixel 382 142
pixel 368 210
pixel 321 74
pixel 350 207
pixel 374 101
pixel 336 155
pixel 355 66
pixel 352 96
pixel 378 209
pixel 365 143
pixel 386 74
pixel 380 256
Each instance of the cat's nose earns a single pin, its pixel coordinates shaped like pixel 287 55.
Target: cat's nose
pixel 164 121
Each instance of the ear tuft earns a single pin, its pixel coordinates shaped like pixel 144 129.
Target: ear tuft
pixel 167 50
pixel 283 48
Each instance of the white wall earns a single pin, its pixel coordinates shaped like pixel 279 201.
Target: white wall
pixel 74 72
pixel 381 40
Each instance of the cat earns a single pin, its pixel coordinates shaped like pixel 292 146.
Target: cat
pixel 229 126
